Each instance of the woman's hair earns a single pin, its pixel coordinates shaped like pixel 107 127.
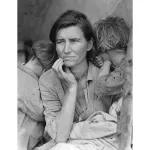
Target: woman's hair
pixel 112 33
pixel 45 53
pixel 74 18
pixel 27 48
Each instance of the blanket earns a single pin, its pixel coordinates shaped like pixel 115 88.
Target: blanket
pixel 98 132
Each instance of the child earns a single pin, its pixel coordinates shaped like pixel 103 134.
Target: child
pixel 112 37
pixel 113 40
pixel 31 122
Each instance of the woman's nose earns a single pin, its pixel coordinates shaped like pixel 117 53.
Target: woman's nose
pixel 67 48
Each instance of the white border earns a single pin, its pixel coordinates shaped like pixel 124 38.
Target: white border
pixel 141 75
pixel 8 75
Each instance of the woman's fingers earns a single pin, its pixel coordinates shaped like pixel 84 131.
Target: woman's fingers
pixel 55 65
pixel 66 75
pixel 60 70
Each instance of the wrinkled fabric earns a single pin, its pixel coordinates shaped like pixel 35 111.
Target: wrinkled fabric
pixel 98 125
pixel 125 120
pixel 98 132
pixel 111 84
pixel 29 99
pixel 53 91
pixel 30 107
pixel 35 129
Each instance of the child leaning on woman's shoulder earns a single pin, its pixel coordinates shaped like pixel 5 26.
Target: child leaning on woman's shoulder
pixel 112 40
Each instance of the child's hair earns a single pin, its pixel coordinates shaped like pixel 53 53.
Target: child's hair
pixel 45 53
pixel 112 33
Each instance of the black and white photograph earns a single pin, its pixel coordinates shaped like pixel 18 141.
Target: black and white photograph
pixel 74 75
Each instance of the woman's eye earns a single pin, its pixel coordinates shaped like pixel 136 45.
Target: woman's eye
pixel 59 42
pixel 74 40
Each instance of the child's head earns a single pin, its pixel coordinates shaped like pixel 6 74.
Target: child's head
pixel 44 52
pixel 112 38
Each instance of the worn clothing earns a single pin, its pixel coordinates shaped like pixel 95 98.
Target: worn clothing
pixel 30 107
pixel 111 84
pixel 125 120
pixel 98 132
pixel 53 91
pixel 98 125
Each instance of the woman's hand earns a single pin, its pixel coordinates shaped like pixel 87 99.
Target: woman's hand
pixel 67 77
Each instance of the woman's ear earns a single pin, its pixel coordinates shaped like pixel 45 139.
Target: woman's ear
pixel 90 45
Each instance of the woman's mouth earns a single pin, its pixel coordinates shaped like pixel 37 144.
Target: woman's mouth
pixel 68 58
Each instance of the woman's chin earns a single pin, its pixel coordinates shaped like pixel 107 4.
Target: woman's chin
pixel 69 65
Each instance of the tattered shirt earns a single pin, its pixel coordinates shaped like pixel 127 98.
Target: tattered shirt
pixel 30 107
pixel 53 92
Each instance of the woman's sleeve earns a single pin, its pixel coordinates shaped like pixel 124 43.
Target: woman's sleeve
pixel 52 106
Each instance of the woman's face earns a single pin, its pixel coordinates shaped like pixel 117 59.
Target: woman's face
pixel 72 46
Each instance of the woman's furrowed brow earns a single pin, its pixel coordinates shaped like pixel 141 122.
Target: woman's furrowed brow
pixel 74 38
pixel 59 39
pixel 70 38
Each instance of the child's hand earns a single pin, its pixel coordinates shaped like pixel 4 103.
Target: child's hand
pixel 112 110
pixel 119 104
pixel 98 61
pixel 115 107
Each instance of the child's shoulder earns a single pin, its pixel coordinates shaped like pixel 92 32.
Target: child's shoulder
pixel 113 79
pixel 111 83
pixel 123 64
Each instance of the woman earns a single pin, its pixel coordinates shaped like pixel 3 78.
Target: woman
pixel 67 89
pixel 30 108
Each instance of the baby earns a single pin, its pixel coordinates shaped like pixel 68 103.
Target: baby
pixel 113 37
